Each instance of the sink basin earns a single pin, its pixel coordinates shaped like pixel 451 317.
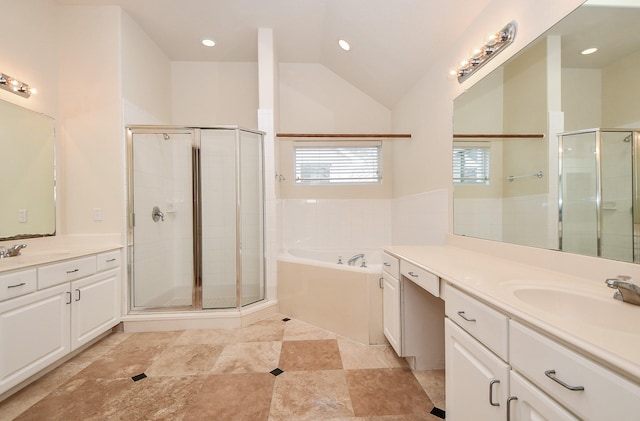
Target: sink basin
pixel 581 308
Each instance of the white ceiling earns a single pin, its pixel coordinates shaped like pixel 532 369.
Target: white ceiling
pixel 392 41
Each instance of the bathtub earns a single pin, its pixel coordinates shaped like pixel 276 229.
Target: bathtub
pixel 343 299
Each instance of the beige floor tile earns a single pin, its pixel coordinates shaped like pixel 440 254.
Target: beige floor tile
pixel 237 397
pixel 310 395
pixel 358 356
pixel 208 337
pixel 432 381
pixel 185 360
pixel 372 395
pixel 310 355
pixel 224 374
pixel 248 357
pixel 296 330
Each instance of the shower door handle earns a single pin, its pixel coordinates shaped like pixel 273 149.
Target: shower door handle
pixel 156 214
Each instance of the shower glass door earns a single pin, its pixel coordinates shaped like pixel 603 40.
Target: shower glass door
pixel 219 219
pixel 616 163
pixel 579 193
pixel 251 211
pixel 231 196
pixel 161 202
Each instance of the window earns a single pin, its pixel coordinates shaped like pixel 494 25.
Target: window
pixel 330 164
pixel 471 165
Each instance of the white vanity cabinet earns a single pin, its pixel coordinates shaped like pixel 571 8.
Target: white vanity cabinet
pixel 528 403
pixel 34 333
pixel 477 371
pixel 391 302
pixel 587 389
pixel 412 313
pixel 75 302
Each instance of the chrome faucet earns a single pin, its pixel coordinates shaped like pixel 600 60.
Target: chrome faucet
pixel 627 290
pixel 12 251
pixel 353 259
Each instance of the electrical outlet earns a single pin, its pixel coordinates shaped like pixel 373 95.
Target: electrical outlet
pixel 97 214
pixel 22 215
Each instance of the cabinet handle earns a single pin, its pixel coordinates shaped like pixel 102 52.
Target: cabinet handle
pixel 69 297
pixel 111 260
pixel 491 392
pixel 381 280
pixel 552 375
pixel 17 285
pixel 73 271
pixel 387 264
pixel 461 314
pixel 413 274
pixel 511 398
pixel 78 291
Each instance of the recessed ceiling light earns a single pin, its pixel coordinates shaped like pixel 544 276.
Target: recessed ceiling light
pixel 208 42
pixel 344 45
pixel 589 51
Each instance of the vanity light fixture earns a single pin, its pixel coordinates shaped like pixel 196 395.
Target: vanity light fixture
pixel 11 84
pixel 494 44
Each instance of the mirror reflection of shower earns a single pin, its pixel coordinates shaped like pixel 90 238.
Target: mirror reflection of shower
pixel 598 204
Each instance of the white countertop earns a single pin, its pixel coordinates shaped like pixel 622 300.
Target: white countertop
pixel 34 257
pixel 595 324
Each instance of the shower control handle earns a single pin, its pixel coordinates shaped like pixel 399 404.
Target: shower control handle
pixel 156 214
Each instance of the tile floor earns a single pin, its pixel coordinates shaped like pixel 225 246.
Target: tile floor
pixel 229 375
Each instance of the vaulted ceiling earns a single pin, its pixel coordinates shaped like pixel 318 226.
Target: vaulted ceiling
pixel 392 41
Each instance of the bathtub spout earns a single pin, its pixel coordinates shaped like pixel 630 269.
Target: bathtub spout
pixel 353 259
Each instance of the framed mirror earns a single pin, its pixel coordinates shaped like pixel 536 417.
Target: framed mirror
pixel 544 146
pixel 27 190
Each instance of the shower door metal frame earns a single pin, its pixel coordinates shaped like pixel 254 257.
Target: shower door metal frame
pixel 195 133
pixel 131 131
pixel 598 144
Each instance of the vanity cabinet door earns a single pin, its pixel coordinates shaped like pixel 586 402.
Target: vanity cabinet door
pixel 477 382
pixel 94 306
pixel 528 403
pixel 391 299
pixel 34 332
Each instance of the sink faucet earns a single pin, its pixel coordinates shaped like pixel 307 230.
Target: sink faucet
pixel 627 290
pixel 353 259
pixel 12 251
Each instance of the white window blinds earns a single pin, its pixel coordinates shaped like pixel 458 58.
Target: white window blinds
pixel 471 165
pixel 332 164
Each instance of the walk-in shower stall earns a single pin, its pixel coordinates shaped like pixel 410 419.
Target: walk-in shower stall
pixel 196 218
pixel 598 195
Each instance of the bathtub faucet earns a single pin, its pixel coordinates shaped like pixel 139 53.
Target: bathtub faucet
pixel 352 260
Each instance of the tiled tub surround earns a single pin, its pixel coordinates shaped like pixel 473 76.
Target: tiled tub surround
pixel 599 329
pixel 343 299
pixel 225 375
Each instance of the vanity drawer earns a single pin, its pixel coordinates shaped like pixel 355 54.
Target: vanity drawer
pixel 17 283
pixel 69 270
pixel 426 280
pixel 108 260
pixel 606 395
pixel 391 265
pixel 484 323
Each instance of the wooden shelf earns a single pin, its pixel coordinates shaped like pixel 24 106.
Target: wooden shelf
pixel 351 136
pixel 497 136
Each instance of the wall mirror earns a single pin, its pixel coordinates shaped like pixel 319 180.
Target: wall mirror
pixel 27 190
pixel 544 146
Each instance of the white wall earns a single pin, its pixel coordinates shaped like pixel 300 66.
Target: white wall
pixel 92 133
pixel 214 93
pixel 146 77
